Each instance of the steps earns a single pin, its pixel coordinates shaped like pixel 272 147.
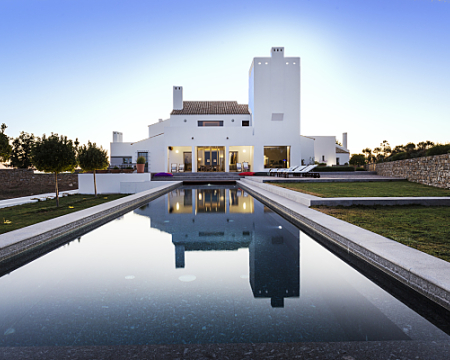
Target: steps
pixel 202 178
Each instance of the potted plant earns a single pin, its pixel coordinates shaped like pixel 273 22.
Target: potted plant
pixel 140 164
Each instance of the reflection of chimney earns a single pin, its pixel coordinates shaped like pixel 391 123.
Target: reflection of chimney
pixel 344 140
pixel 179 256
pixel 277 302
pixel 178 98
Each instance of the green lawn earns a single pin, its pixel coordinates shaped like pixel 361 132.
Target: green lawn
pixel 424 228
pixel 365 189
pixel 16 217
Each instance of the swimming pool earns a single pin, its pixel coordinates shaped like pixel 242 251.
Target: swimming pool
pixel 198 265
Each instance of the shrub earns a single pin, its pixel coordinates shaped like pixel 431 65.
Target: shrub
pixel 360 169
pixel 399 156
pixel 438 150
pixel 140 160
pixel 333 168
pixel 322 164
pixel 116 168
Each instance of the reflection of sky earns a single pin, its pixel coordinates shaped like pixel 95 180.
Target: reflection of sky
pixel 119 285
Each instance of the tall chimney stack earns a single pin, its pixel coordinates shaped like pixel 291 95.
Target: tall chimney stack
pixel 178 98
pixel 344 140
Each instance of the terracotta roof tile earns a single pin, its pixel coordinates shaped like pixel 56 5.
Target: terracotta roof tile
pixel 211 108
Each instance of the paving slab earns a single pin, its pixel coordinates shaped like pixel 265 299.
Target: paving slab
pixel 34 198
pixel 421 272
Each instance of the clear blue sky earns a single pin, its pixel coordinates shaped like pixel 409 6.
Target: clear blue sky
pixel 377 69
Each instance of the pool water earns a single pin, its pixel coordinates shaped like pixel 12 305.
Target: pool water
pixel 198 265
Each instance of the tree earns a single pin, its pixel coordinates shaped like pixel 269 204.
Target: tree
pixel 21 150
pixel 54 154
pixel 5 147
pixel 91 158
pixel 338 143
pixel 357 160
pixel 369 155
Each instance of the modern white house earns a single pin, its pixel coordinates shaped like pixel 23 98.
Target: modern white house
pixel 221 135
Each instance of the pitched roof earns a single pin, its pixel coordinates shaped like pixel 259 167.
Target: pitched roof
pixel 211 108
pixel 341 151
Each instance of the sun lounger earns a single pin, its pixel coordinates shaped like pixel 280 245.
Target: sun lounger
pixel 285 172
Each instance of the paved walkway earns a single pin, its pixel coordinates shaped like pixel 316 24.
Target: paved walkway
pixel 327 177
pixel 34 198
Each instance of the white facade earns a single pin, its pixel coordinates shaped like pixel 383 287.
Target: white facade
pixel 215 136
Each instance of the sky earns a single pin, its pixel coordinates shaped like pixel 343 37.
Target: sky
pixel 376 69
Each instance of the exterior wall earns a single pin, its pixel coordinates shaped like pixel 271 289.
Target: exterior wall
pixel 428 170
pixel 325 146
pixel 107 183
pixel 22 182
pixel 307 146
pixel 343 158
pixel 229 120
pixel 158 128
pixel 274 87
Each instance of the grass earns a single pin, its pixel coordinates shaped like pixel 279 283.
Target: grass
pixel 424 228
pixel 365 189
pixel 16 217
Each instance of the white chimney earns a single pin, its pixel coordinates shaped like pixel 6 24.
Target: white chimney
pixel 344 140
pixel 178 98
pixel 277 52
pixel 117 136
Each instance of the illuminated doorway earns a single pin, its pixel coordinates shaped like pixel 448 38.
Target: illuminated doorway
pixel 210 158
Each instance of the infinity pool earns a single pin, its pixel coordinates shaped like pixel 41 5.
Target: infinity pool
pixel 198 265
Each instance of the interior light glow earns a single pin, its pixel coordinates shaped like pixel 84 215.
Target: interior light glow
pixel 245 150
pixel 176 151
pixel 178 206
pixel 244 206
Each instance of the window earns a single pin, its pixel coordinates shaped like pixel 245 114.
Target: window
pixel 144 154
pixel 337 161
pixel 245 122
pixel 277 156
pixel 126 160
pixel 210 123
pixel 277 116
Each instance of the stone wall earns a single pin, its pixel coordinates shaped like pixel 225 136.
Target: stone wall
pixel 428 170
pixel 22 182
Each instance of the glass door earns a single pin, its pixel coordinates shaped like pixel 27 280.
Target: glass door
pixel 210 158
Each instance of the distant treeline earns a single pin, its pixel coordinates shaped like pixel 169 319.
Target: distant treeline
pixel 384 152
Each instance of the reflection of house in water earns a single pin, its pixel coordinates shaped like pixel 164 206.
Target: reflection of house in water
pixel 275 260
pixel 206 219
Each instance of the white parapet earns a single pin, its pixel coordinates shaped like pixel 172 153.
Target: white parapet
pixel 108 183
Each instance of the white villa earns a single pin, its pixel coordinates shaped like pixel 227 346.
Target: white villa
pixel 217 135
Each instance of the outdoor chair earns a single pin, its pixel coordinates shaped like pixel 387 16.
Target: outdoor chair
pixel 245 166
pixel 181 168
pixel 286 172
pixel 296 171
pixel 306 172
pixel 173 168
pixel 238 167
